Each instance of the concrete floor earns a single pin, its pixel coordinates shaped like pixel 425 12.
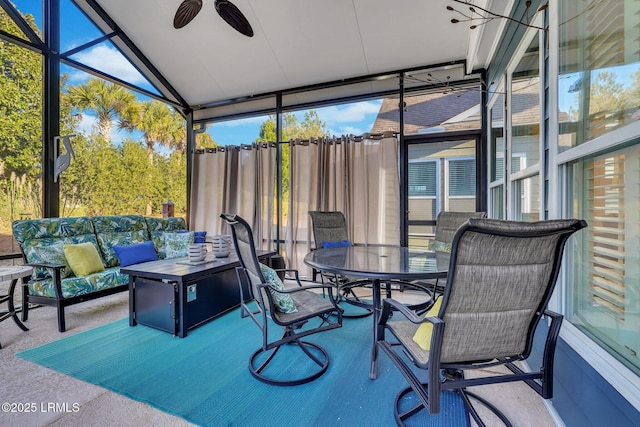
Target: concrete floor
pixel 76 403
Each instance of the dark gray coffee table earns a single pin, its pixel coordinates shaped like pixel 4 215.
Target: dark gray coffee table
pixel 175 297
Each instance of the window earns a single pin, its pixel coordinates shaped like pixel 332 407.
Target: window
pixel 422 179
pixel 461 184
pixel 496 156
pixel 598 87
pixel 605 298
pixel 599 81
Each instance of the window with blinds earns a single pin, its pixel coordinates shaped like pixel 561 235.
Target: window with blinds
pixel 606 281
pixel 606 246
pixel 462 178
pixel 422 179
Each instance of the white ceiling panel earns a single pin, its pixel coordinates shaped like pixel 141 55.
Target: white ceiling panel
pixel 296 43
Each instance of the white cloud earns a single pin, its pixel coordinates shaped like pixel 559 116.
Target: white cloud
pixel 350 113
pixel 110 61
pixel 87 124
pixel 241 122
pixel 347 130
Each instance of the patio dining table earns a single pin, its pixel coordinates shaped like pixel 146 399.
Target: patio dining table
pixel 379 264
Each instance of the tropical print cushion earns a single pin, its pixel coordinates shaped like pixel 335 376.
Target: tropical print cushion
pixel 30 229
pixel 118 231
pixel 42 239
pixel 48 254
pixel 284 303
pixel 49 250
pixel 176 245
pixel 75 286
pixel 438 246
pixel 158 226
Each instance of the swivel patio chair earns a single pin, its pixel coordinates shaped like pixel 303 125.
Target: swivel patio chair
pixel 265 299
pixel 500 279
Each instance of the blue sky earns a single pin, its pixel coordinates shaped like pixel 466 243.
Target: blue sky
pixel 356 118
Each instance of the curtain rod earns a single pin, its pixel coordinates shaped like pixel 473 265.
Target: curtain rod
pixel 330 140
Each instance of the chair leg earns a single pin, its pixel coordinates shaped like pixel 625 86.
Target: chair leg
pixel 61 323
pixel 313 352
pixel 466 395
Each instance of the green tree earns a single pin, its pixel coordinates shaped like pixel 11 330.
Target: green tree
pixel 606 93
pixel 20 104
pixel 311 127
pixel 107 100
pixel 20 127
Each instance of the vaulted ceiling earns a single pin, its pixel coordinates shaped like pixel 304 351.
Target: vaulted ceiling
pixel 296 44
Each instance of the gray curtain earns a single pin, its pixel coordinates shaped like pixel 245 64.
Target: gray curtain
pixel 238 180
pixel 358 176
pixel 355 175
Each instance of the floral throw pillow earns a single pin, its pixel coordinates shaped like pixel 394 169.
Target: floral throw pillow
pixel 176 245
pixel 284 303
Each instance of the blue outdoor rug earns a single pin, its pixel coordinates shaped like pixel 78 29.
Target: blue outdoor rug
pixel 204 378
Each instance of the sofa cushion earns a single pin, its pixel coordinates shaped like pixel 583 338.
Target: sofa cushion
pixel 118 230
pixel 36 236
pixel 30 229
pixel 75 286
pixel 83 258
pixel 158 226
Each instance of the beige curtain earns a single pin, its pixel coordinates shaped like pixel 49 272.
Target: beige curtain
pixel 235 180
pixel 357 176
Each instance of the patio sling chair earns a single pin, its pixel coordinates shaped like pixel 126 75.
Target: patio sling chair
pixel 501 276
pixel 447 223
pixel 330 230
pixel 290 309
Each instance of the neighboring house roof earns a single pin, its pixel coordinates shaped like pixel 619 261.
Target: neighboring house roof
pixel 432 110
pixel 457 110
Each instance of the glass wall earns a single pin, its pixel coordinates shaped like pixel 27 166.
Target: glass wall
pixel 442 177
pixel 598 103
pixel 21 97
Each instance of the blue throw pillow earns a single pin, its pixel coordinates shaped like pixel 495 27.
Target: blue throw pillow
pixel 198 236
pixel 341 244
pixel 133 254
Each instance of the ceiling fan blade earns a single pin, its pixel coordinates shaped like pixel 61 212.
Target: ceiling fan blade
pixel 187 10
pixel 232 15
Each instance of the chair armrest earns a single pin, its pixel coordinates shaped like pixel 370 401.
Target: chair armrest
pixel 298 289
pixel 389 304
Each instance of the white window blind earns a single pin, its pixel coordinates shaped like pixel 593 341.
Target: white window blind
pixel 462 177
pixel 606 246
pixel 422 179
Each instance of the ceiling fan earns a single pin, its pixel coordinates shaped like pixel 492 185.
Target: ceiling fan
pixel 188 9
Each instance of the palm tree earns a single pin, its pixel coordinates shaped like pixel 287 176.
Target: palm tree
pixel 106 99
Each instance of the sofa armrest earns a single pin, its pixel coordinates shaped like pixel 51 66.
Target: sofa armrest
pixel 55 274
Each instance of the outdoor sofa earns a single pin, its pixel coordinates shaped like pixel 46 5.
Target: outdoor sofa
pixel 53 282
